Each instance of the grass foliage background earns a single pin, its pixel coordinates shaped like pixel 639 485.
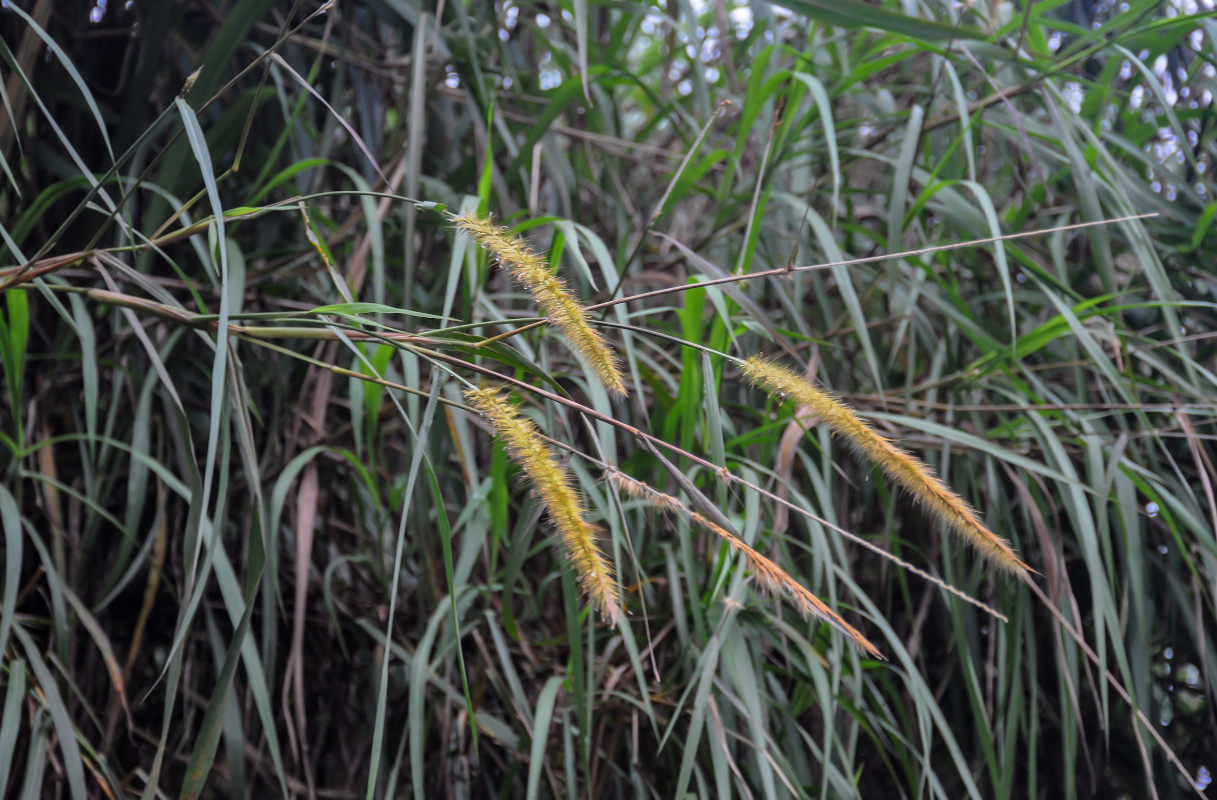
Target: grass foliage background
pixel 235 566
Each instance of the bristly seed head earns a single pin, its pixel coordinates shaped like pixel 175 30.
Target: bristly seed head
pixel 904 469
pixel 562 503
pixel 551 295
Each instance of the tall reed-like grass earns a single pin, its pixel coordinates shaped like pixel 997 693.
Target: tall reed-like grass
pixel 254 542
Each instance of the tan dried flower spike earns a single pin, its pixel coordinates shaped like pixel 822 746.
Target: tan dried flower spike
pixel 551 295
pixel 904 469
pixel 562 503
pixel 769 574
pixel 777 581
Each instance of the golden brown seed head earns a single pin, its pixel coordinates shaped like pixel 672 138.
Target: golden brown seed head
pixel 905 470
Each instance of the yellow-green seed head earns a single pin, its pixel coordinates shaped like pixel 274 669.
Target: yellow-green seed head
pixel 550 294
pixel 562 503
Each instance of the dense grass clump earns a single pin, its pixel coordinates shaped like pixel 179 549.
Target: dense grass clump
pixel 590 400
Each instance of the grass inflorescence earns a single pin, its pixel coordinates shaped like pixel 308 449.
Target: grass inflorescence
pixel 769 574
pixel 562 503
pixel 907 471
pixel 551 295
